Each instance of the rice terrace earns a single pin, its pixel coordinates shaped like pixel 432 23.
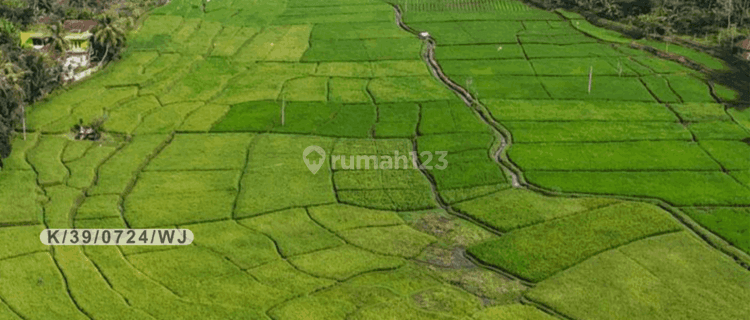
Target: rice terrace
pixel 367 159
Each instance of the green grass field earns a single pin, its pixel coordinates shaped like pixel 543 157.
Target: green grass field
pixel 208 113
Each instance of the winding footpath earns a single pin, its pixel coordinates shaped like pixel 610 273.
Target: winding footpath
pixel 517 180
pixel 429 58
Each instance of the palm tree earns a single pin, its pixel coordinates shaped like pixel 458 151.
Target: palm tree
pixel 79 3
pixel 13 76
pixel 59 43
pixel 43 5
pixel 109 34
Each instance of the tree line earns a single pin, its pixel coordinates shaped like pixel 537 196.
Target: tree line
pixel 720 22
pixel 28 75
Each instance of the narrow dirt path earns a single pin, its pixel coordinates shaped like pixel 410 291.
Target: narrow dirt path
pixel 504 137
pixel 517 180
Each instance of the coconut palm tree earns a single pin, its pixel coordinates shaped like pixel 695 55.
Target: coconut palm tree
pixel 59 43
pixel 43 5
pixel 12 77
pixel 110 35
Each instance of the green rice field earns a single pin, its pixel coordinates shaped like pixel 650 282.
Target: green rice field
pixel 626 201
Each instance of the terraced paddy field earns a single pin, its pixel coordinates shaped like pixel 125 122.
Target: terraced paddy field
pixel 624 203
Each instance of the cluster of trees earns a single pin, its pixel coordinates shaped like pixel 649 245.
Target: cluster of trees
pixel 27 75
pixel 723 19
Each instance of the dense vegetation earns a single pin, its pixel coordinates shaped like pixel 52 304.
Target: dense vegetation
pixel 720 20
pixel 27 75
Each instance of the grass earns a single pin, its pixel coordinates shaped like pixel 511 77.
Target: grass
pixel 21 203
pixel 742 176
pixel 17 159
pixel 696 188
pixel 603 34
pixel 119 170
pixel 281 274
pixel 661 89
pixel 343 217
pixel 200 41
pixel 402 89
pixel 388 199
pixel 560 39
pixel 461 194
pixel 348 30
pixel 585 50
pixel 455 142
pixel 545 110
pixel 274 166
pixel 511 312
pixel 250 116
pixel 130 70
pixel 156 31
pixel 392 68
pixel 148 210
pixel 640 155
pixel 305 89
pixel 478 52
pixel 231 39
pixel 203 119
pixel 730 223
pixel 693 111
pixel 313 307
pixel 344 69
pixel 690 89
pixel 128 117
pixel 133 284
pixel 13 234
pixel 185 182
pixel 83 170
pixel 379 179
pixel 348 90
pixel 260 45
pixel 97 207
pixel 293 232
pixel 595 131
pixel 201 84
pixel 343 262
pixel 504 87
pixel 292 45
pixel 92 291
pixel 397 120
pixel 521 208
pixel 466 169
pixel 487 67
pixel 392 49
pixel 678 271
pixel 164 266
pixel 729 153
pixel 43 293
pixel 89 110
pixel 167 119
pixel 58 210
pixel 261 190
pixel 602 88
pixel 45 158
pixel 661 66
pixel 203 151
pixel 399 240
pixel 576 66
pixel 447 117
pixel 540 251
pixel 697 56
pixel 336 50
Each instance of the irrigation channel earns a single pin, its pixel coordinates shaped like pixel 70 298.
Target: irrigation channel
pixel 517 180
